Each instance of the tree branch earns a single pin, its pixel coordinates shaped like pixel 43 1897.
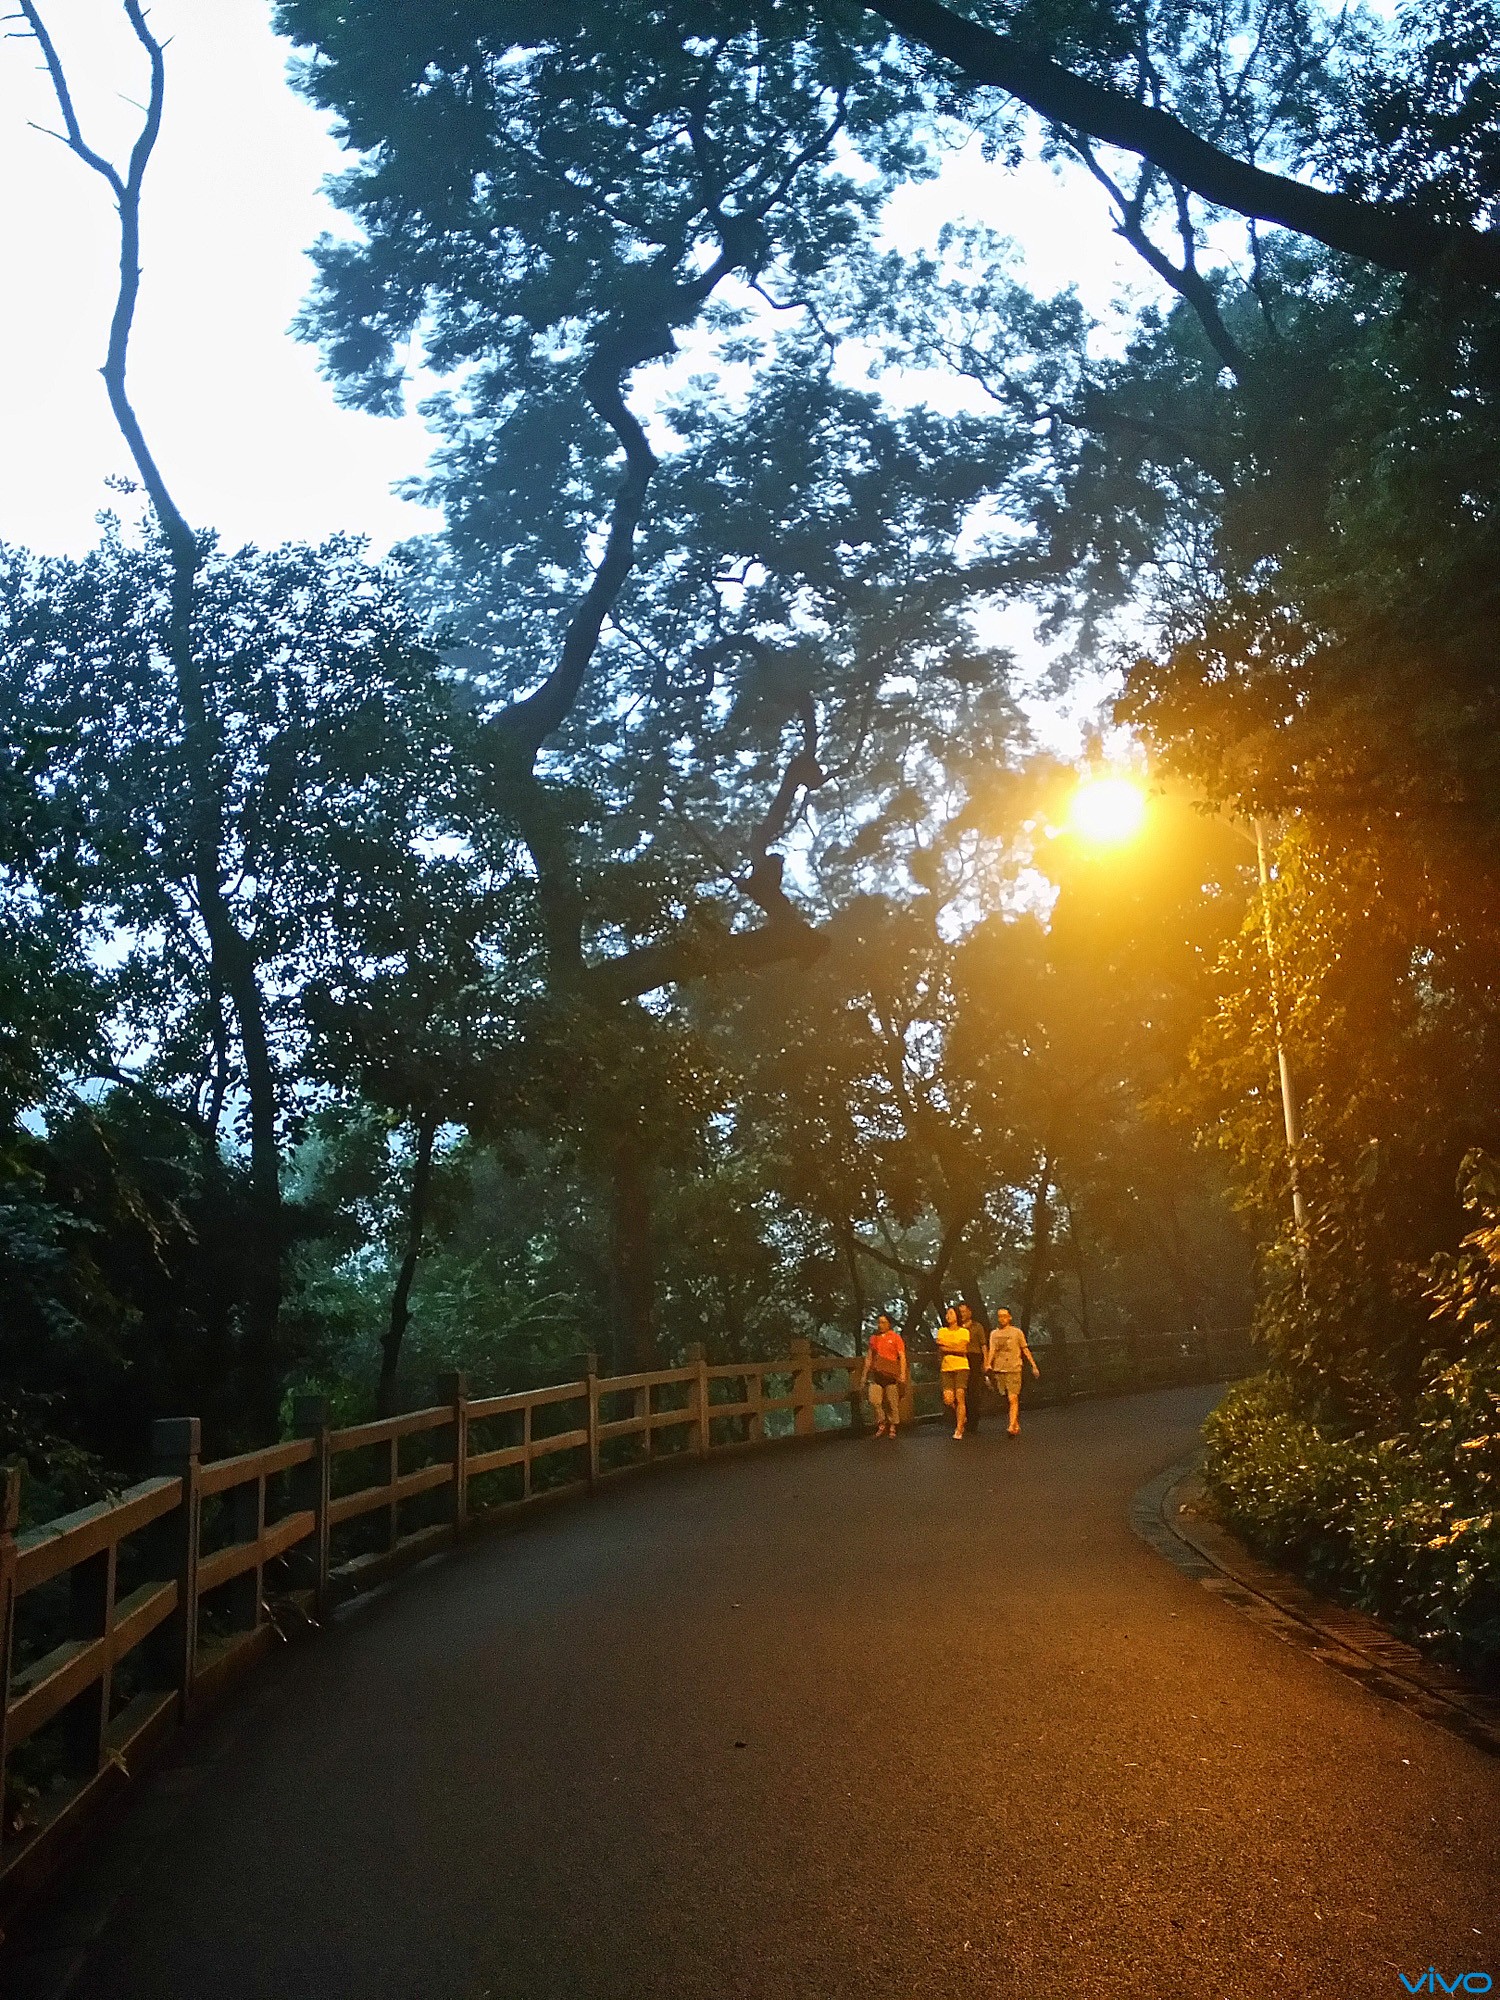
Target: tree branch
pixel 1185 279
pixel 704 954
pixel 1389 234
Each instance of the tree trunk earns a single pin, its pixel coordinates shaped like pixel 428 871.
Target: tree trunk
pixel 416 1226
pixel 1041 1242
pixel 263 1276
pixel 232 967
pixel 1389 233
pixel 1085 1322
pixel 930 1289
pixel 966 1271
pixel 857 1294
pixel 632 1258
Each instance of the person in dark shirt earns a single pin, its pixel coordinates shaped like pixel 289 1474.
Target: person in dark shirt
pixel 973 1324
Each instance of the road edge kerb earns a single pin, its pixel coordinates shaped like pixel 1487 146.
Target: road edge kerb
pixel 1168 1513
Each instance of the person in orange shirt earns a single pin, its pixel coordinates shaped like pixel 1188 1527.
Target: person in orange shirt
pixel 886 1373
pixel 953 1345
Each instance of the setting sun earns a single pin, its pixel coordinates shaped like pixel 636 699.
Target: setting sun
pixel 1107 811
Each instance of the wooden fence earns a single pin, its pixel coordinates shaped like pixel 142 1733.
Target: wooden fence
pixel 117 1621
pixel 120 1619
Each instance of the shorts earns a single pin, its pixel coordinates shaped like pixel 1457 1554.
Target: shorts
pixel 1008 1379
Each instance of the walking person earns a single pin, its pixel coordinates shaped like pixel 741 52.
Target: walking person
pixel 1004 1353
pixel 972 1323
pixel 953 1345
pixel 886 1375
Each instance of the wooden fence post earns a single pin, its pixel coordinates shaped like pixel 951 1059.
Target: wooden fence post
pixel 177 1445
pixel 591 1375
pixel 859 1402
pixel 698 1362
pixel 310 1419
pixel 454 1389
pixel 10 1515
pixel 804 1415
pixel 393 1474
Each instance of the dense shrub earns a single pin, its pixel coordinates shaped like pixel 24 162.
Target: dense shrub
pixel 1405 1524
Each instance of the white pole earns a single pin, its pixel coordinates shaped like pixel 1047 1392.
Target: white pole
pixel 1288 1089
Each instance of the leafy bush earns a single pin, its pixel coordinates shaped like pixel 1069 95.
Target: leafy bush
pixel 1403 1518
pixel 1405 1525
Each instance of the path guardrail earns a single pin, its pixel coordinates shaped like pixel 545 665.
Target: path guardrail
pixel 119 1620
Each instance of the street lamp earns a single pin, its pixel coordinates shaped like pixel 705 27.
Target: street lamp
pixel 1109 810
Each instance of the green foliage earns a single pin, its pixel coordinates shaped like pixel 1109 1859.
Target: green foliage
pixel 1404 1516
pixel 1401 1522
pixel 58 1473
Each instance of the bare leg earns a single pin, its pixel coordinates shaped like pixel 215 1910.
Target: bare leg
pixel 1013 1397
pixel 960 1405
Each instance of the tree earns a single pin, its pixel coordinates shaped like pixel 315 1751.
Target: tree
pixel 334 751
pixel 1093 74
pixel 1112 92
pixel 233 970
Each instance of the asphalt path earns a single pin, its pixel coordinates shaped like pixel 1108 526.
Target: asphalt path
pixel 842 1719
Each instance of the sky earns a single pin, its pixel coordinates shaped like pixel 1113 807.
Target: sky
pixel 248 434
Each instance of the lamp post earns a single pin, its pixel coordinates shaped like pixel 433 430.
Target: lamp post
pixel 1108 811
pixel 1289 1111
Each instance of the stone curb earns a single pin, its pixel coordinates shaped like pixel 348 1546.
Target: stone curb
pixel 1169 1513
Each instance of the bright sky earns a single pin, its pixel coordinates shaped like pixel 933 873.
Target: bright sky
pixel 246 430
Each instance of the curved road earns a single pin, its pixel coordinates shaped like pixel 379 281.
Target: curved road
pixel 853 1720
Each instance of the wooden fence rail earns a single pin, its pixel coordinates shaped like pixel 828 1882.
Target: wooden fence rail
pixel 120 1619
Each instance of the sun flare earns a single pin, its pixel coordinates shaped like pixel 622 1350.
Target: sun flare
pixel 1107 811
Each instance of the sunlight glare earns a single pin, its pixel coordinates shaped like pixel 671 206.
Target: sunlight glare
pixel 1107 811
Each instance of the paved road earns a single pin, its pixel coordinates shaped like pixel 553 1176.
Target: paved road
pixel 910 1721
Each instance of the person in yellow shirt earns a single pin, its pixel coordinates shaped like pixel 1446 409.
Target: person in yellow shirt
pixel 1004 1353
pixel 953 1346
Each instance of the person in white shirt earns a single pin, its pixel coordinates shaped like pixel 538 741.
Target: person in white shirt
pixel 1004 1352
